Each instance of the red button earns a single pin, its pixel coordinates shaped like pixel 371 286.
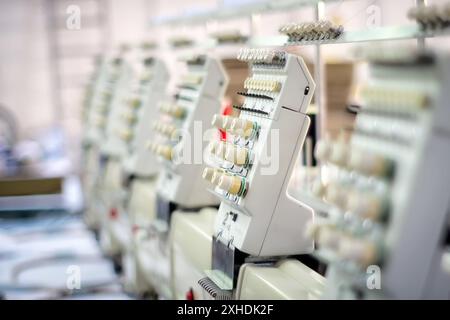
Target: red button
pixel 227 110
pixel 113 214
pixel 190 295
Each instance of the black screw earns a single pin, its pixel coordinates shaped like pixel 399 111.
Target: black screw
pixel 306 91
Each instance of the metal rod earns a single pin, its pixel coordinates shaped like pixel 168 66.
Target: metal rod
pixel 320 76
pixel 421 40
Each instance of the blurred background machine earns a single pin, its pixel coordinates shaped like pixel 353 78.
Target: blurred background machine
pixel 97 105
pixel 132 131
pixel 377 183
pixel 180 147
pixel 112 150
pixel 128 206
pixel 140 166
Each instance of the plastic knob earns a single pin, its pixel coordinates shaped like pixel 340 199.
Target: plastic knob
pixel 177 112
pixel 165 151
pixel 339 154
pixel 323 150
pixel 126 135
pixel 360 251
pixel 336 195
pixel 135 103
pixel 237 155
pixel 208 174
pixel 366 206
pixel 221 121
pixel 242 127
pixel 369 163
pixel 328 237
pixel 318 188
pixel 231 184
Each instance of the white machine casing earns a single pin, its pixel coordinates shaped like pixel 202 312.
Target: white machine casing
pixel 140 211
pixel 143 164
pixel 114 145
pixel 141 161
pixel 114 77
pixel 90 162
pixel 115 232
pixel 269 221
pixel 181 183
pixel 190 256
pixel 118 228
pixel 288 279
pixel 117 78
pixel 93 93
